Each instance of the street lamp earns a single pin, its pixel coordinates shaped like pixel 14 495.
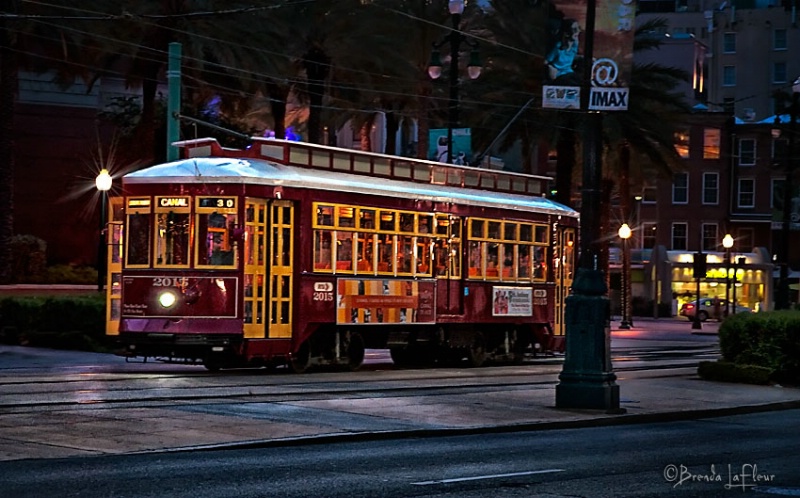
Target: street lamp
pixel 727 243
pixel 103 184
pixel 625 234
pixel 454 38
pixel 740 261
pixel 782 301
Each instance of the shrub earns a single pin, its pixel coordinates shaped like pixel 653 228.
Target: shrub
pixel 66 322
pixel 67 274
pixel 28 257
pixel 768 339
pixel 724 371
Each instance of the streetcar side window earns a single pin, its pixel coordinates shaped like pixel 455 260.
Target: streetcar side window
pixel 369 241
pixel 475 259
pixel 322 250
pixel 508 251
pixel 138 229
pixel 365 252
pixel 344 252
pixel 405 251
pixel 385 253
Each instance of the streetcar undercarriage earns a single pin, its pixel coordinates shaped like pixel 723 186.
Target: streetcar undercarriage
pixel 343 346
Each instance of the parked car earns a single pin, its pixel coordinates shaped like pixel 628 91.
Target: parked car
pixel 711 307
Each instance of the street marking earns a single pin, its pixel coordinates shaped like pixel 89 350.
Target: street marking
pixel 492 476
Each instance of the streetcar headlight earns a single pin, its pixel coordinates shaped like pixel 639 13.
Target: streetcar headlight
pixel 167 299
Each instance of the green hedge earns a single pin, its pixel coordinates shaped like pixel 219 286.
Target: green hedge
pixel 725 371
pixel 64 322
pixel 768 339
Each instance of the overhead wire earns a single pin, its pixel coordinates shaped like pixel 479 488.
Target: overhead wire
pixel 244 74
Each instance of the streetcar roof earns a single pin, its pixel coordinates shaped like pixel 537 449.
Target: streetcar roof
pixel 260 171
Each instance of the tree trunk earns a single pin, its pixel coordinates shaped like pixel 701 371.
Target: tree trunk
pixel 317 65
pixel 277 99
pixel 365 137
pixel 392 125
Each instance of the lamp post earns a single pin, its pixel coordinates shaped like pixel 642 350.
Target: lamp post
pixel 625 234
pixel 103 184
pixel 727 243
pixel 454 38
pixel 782 301
pixel 740 261
pixel 587 379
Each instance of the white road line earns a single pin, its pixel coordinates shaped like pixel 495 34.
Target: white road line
pixel 493 476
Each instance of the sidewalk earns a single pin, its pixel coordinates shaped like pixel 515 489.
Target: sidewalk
pixel 646 396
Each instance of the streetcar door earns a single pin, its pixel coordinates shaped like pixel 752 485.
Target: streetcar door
pixel 112 233
pixel 255 268
pixel 281 257
pixel 564 274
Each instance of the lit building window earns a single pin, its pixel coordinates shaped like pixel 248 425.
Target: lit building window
pixel 711 143
pixel 682 143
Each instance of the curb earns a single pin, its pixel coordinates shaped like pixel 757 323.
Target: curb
pixel 354 437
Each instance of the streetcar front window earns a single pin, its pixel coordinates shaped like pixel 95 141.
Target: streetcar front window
pixel 172 239
pixel 138 240
pixel 214 244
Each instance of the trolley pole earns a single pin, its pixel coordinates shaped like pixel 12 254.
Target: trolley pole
pixel 174 100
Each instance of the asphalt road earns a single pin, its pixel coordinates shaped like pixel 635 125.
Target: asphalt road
pixel 719 457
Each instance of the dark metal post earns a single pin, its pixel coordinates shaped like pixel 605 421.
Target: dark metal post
pixel 699 271
pixel 452 114
pixel 727 281
pixel 734 286
pixel 101 244
pixel 625 323
pixel 587 379
pixel 736 264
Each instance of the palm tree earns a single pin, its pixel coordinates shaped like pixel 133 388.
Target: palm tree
pixel 514 40
pixel 393 78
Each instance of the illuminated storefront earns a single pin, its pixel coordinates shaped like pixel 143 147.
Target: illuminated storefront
pixel 748 278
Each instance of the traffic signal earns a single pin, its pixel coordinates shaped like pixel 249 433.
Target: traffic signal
pixel 700 267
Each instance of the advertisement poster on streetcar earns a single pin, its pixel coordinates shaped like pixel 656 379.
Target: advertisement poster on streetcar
pixel 370 301
pixel 612 54
pixel 512 301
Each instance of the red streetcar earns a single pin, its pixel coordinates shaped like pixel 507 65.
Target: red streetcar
pixel 301 254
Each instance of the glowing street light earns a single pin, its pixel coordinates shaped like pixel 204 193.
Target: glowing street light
pixel 624 234
pixel 103 184
pixel 727 243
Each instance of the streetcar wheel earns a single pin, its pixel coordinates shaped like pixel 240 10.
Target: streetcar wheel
pixel 476 355
pixel 355 352
pixel 211 365
pixel 301 360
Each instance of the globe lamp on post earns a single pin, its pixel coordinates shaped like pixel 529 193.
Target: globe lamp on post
pixel 727 243
pixel 103 184
pixel 454 38
pixel 624 234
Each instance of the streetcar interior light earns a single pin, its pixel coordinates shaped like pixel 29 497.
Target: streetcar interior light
pixel 167 299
